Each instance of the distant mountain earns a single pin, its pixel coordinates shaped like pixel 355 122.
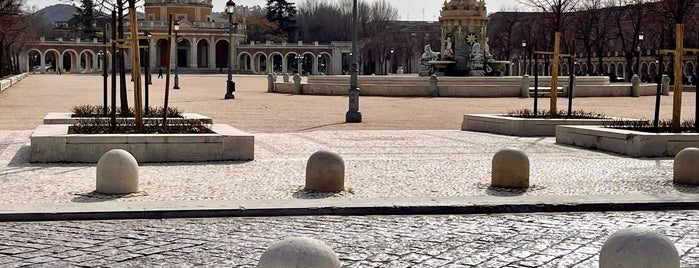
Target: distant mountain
pixel 52 14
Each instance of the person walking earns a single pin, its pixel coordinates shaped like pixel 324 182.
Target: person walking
pixel 160 73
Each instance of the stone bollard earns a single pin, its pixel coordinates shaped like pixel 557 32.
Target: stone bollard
pixel 299 252
pixel 274 76
pixel 270 83
pixel 524 91
pixel 117 173
pixel 635 86
pixel 685 170
pixel 285 78
pixel 325 172
pixel 638 248
pixel 666 85
pixel 297 84
pixel 510 169
pixel 434 85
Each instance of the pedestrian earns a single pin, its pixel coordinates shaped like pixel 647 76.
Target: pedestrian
pixel 160 73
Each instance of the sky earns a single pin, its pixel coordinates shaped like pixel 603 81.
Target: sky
pixel 408 9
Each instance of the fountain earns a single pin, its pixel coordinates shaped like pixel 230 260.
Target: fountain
pixel 464 50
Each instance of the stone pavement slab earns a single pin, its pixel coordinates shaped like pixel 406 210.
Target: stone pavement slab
pixel 502 240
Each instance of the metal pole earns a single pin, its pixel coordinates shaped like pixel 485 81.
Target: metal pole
pixel 114 70
pixel 177 63
pixel 104 70
pixel 230 85
pixel 658 92
pixel 147 65
pixel 353 115
pixel 536 84
pixel 571 83
pixel 638 61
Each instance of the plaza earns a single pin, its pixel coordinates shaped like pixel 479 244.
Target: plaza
pixel 407 153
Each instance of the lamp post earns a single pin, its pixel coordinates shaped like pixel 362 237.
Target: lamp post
pixel 390 66
pixel 147 65
pixel 299 64
pixel 177 57
pixel 353 115
pixel 230 85
pixel 524 50
pixel 638 59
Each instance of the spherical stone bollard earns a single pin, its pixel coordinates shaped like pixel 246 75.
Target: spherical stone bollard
pixel 325 172
pixel 685 170
pixel 299 252
pixel 117 173
pixel 638 248
pixel 510 169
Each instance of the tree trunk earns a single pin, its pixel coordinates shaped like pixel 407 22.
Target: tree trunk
pixel 677 95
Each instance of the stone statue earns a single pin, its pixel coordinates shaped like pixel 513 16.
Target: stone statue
pixel 448 49
pixel 477 60
pixel 429 55
pixel 486 50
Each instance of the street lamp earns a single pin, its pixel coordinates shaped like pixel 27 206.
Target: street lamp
pixel 230 85
pixel 353 115
pixel 638 59
pixel 299 63
pixel 524 51
pixel 177 57
pixel 390 67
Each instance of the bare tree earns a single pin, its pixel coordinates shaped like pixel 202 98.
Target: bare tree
pixel 592 29
pixel 16 30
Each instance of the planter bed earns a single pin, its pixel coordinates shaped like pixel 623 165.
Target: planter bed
pixel 51 143
pixel 66 118
pixel 628 142
pixel 517 126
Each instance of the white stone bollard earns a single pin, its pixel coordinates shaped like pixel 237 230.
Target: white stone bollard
pixel 117 173
pixel 299 252
pixel 510 169
pixel 638 248
pixel 684 167
pixel 325 172
pixel 635 86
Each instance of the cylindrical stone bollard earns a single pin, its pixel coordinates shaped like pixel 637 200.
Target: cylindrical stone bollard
pixel 638 248
pixel 434 85
pixel 285 78
pixel 524 91
pixel 325 172
pixel 666 85
pixel 297 84
pixel 510 169
pixel 270 83
pixel 299 252
pixel 684 167
pixel 117 173
pixel 635 86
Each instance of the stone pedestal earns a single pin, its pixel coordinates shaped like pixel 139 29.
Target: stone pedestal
pixel 635 86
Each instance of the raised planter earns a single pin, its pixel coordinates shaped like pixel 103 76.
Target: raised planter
pixel 66 118
pixel 628 142
pixel 52 143
pixel 516 126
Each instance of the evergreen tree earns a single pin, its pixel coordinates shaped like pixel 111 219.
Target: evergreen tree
pixel 86 19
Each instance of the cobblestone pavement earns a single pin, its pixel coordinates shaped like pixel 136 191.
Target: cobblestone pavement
pixel 516 240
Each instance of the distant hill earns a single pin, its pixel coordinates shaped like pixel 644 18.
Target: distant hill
pixel 52 14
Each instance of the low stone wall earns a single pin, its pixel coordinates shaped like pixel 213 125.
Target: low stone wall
pixel 8 82
pixel 413 86
pixel 523 127
pixel 628 142
pixel 52 143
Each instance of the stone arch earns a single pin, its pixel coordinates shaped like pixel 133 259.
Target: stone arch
pixel 308 64
pixel 277 61
pixel 244 61
pixel 52 60
pixel 182 52
pixel 605 68
pixel 689 68
pixel 325 63
pixel 69 58
pixel 584 68
pixel 612 69
pixel 644 72
pixel 35 61
pixel 620 71
pixel 564 69
pixel 222 53
pixel 292 63
pixel 87 61
pixel 260 62
pixel 653 71
pixel 203 53
pixel 161 48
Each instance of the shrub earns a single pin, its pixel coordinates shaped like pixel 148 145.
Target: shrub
pixel 580 114
pixel 91 111
pixel 128 126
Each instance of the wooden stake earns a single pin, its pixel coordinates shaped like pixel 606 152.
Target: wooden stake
pixel 554 76
pixel 170 21
pixel 677 95
pixel 136 70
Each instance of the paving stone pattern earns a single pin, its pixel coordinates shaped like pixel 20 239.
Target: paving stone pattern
pixel 515 240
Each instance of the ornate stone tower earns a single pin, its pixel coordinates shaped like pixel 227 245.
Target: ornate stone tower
pixel 464 22
pixel 189 10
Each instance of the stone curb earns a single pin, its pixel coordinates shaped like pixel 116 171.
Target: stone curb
pixel 346 207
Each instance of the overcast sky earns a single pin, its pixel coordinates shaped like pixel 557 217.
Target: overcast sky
pixel 408 9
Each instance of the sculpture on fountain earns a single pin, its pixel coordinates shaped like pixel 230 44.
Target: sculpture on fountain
pixel 429 55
